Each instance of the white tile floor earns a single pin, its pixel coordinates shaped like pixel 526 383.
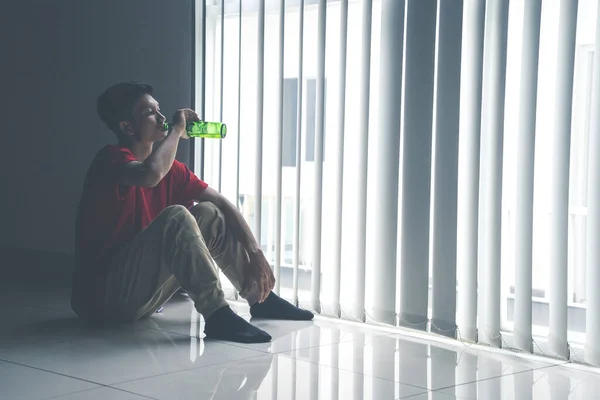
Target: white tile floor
pixel 47 353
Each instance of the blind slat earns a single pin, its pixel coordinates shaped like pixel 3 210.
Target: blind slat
pixel 260 88
pixel 296 239
pixel 468 167
pixel 201 83
pixel 221 83
pixel 445 183
pixel 387 153
pixel 318 164
pixel 592 349
pixel 361 162
pixel 524 181
pixel 279 147
pixel 239 109
pixel 339 161
pixel 559 195
pixel 416 162
pixel 491 173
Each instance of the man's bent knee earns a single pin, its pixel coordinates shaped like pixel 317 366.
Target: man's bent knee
pixel 206 209
pixel 211 222
pixel 208 212
pixel 175 217
pixel 174 211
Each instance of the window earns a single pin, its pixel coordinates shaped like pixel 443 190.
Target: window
pixel 290 120
pixel 311 119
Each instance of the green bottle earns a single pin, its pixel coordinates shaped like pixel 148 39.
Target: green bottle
pixel 209 130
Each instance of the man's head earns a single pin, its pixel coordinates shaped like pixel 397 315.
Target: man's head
pixel 129 110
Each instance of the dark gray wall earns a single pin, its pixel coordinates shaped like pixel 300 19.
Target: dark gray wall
pixel 57 56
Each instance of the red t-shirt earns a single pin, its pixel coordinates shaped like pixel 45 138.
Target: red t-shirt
pixel 110 214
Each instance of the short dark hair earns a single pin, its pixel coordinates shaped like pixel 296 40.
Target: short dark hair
pixel 116 103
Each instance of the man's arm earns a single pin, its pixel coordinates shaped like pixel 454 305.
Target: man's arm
pixel 153 169
pixel 235 219
pixel 258 269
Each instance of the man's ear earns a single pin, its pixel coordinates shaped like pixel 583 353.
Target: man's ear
pixel 126 128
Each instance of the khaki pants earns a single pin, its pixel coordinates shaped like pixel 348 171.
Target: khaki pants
pixel 176 250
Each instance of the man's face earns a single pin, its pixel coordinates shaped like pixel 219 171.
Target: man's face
pixel 147 122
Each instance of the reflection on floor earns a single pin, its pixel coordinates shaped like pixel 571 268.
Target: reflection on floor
pixel 46 352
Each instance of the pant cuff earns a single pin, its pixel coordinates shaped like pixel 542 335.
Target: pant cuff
pixel 207 308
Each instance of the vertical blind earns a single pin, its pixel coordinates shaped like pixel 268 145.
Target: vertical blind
pixel 416 163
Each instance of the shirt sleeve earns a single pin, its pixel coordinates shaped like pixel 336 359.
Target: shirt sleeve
pixel 188 187
pixel 112 161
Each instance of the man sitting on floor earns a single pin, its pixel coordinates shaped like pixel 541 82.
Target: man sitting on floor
pixel 139 236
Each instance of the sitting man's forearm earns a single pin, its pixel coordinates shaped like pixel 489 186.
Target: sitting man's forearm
pixel 235 220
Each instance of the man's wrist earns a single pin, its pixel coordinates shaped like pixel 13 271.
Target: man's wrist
pixel 177 131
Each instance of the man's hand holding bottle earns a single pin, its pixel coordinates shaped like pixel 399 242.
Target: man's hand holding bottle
pixel 180 120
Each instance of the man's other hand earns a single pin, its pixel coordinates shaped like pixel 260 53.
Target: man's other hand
pixel 259 271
